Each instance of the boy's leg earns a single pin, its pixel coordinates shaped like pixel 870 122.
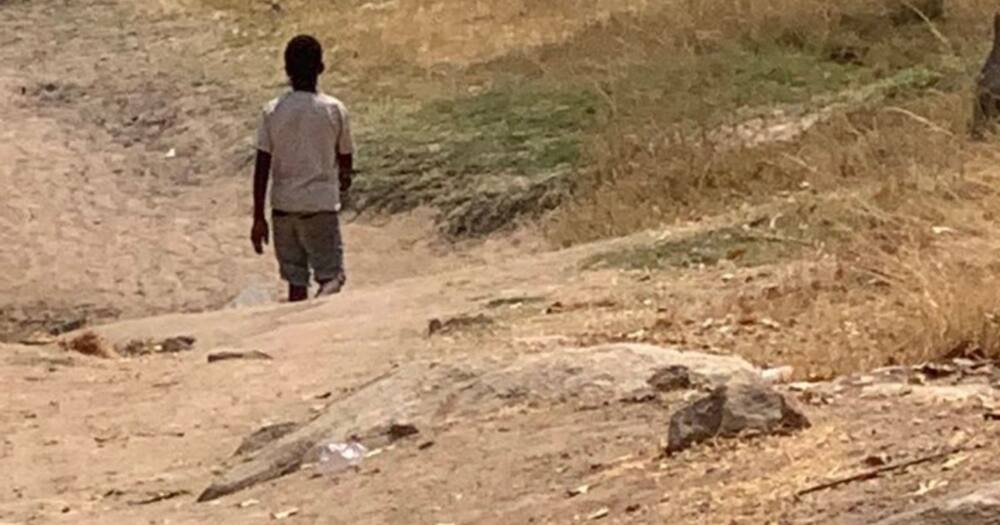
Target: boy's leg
pixel 293 260
pixel 322 240
pixel 297 293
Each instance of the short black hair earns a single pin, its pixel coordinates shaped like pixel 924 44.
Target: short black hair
pixel 303 58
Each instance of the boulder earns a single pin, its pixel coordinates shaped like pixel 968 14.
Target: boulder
pixel 730 410
pixel 428 394
pixel 980 507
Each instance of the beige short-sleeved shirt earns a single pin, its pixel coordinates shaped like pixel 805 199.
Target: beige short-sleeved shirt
pixel 304 132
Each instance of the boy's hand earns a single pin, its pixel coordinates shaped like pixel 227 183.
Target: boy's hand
pixel 259 235
pixel 345 182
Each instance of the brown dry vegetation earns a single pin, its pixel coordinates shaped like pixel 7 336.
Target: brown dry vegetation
pixel 876 184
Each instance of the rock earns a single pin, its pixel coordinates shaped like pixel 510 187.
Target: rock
pixel 228 355
pixel 427 393
pixel 68 325
pixel 399 431
pixel 731 410
pixel 170 345
pixel 981 507
pixel 173 345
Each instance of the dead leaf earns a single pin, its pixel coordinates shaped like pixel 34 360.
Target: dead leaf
pixel 928 487
pixel 770 323
pixel 954 462
pixel 958 439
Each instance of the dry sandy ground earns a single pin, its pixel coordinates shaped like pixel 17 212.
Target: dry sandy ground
pixel 88 440
pixel 97 217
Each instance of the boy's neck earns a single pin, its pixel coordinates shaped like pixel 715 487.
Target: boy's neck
pixel 307 86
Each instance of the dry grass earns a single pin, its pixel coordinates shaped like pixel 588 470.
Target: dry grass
pixel 896 203
pixel 90 344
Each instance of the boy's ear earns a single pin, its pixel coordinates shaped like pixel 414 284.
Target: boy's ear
pixel 322 67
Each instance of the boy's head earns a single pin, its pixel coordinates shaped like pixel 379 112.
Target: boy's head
pixel 304 59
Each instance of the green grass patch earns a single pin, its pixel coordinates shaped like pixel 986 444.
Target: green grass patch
pixel 708 88
pixel 483 160
pixel 785 233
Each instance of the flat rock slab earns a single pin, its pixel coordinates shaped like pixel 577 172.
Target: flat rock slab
pixel 427 394
pixel 981 507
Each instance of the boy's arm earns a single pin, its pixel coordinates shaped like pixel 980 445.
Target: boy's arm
pixel 345 167
pixel 261 174
pixel 345 150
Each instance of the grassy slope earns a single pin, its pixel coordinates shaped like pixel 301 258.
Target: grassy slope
pixel 533 126
pixel 612 128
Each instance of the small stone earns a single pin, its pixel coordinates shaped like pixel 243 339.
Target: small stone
pixel 599 514
pixel 877 460
pixel 399 431
pixel 285 514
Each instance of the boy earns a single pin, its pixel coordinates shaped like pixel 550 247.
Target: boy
pixel 304 141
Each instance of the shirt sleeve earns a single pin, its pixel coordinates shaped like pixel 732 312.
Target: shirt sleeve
pixel 263 142
pixel 345 141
